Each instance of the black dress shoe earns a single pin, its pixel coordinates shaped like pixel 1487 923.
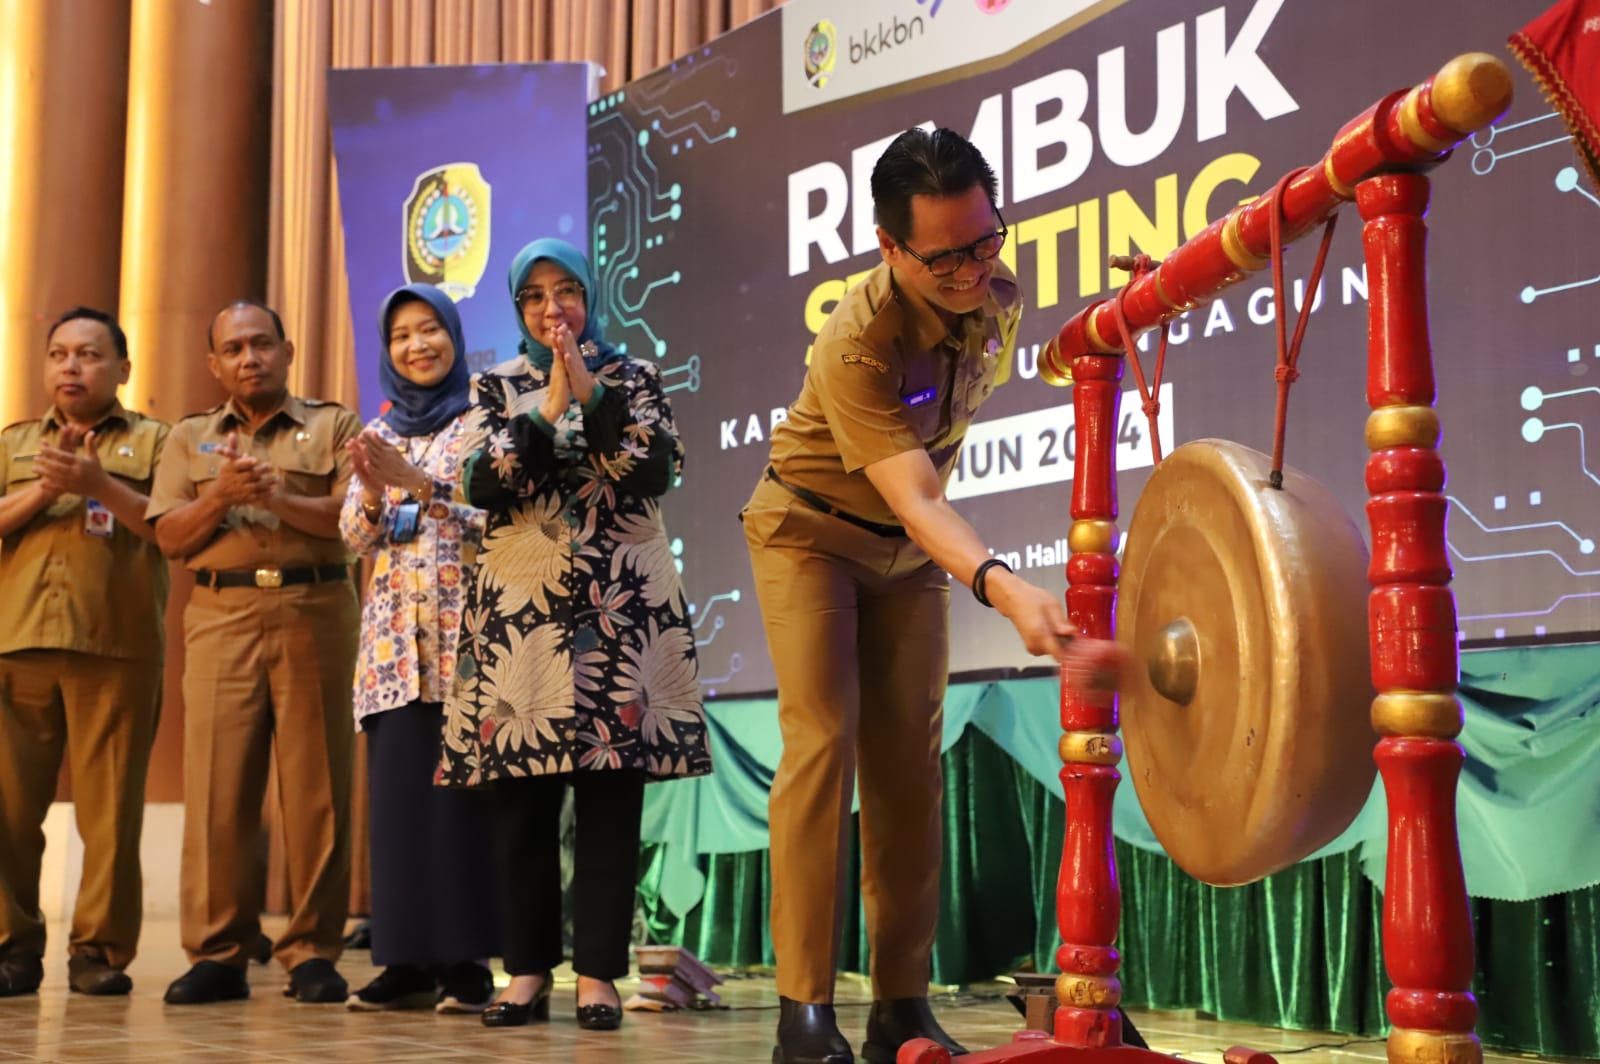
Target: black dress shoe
pixel 89 973
pixel 891 1024
pixel 517 1013
pixel 20 973
pixel 809 1034
pixel 317 982
pixel 599 1017
pixel 208 982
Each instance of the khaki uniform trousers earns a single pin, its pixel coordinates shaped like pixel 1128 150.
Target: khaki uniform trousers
pixel 858 629
pixel 267 672
pixel 100 713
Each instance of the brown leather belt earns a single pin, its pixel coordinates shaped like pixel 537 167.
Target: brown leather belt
pixel 817 502
pixel 269 577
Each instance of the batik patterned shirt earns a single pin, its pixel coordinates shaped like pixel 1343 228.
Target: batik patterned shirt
pixel 411 619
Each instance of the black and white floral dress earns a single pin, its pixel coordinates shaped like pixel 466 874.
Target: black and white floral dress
pixel 577 652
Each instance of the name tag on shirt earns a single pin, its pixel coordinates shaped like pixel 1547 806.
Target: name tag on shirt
pixel 924 396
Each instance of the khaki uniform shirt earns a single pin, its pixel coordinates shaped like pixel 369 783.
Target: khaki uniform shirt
pixel 886 376
pixel 304 441
pixel 64 588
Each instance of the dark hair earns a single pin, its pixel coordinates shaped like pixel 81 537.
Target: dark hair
pixel 211 330
pixel 919 163
pixel 119 339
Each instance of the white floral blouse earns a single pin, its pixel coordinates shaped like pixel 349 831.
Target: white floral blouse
pixel 411 619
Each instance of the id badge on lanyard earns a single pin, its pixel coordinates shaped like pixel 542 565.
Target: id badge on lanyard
pixel 97 520
pixel 407 518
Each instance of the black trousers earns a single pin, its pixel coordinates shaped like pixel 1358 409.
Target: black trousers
pixel 607 806
pixel 433 899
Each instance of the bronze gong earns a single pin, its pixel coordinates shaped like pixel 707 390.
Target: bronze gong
pixel 1246 703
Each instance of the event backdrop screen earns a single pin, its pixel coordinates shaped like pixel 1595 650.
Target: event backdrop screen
pixel 729 208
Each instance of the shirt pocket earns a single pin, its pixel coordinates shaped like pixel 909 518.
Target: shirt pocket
pixel 203 469
pixel 21 469
pixel 305 473
pixel 132 460
pixel 975 383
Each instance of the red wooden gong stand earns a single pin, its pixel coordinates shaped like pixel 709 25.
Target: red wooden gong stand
pixel 1379 161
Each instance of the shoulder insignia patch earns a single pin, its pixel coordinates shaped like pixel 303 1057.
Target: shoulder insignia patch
pixel 855 358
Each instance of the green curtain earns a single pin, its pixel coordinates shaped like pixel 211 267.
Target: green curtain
pixel 1298 950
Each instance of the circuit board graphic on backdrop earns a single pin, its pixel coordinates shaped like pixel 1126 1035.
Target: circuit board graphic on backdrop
pixel 1541 521
pixel 635 216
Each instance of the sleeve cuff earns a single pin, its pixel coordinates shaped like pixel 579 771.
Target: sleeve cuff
pixel 542 424
pixel 595 396
pixel 467 469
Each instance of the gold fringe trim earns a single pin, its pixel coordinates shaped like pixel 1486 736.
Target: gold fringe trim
pixel 1586 138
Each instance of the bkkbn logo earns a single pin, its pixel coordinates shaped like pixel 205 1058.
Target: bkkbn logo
pixel 872 44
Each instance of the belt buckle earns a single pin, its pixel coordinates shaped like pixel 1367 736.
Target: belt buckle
pixel 269 578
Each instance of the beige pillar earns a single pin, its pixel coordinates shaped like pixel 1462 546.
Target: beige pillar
pixel 195 209
pixel 63 102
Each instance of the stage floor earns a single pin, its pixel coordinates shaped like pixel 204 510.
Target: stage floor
pixel 57 1025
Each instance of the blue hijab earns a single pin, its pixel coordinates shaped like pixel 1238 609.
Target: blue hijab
pixel 419 411
pixel 570 259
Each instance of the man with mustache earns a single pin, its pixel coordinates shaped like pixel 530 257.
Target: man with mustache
pixel 83 590
pixel 247 496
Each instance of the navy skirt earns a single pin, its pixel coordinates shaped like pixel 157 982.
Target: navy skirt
pixel 433 883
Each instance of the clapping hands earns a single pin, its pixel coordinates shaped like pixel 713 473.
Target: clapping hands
pixel 380 466
pixel 244 480
pixel 65 469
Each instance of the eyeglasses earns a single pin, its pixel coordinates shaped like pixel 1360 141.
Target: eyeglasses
pixel 567 293
pixel 944 263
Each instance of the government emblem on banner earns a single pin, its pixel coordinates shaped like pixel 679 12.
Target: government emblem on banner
pixel 820 52
pixel 447 229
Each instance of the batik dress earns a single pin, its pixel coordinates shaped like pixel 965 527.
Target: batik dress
pixel 576 652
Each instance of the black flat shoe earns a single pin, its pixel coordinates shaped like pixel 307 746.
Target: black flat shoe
pixel 891 1024
pixel 399 986
pixel 207 983
pixel 20 973
pixel 464 988
pixel 518 1013
pixel 317 982
pixel 90 973
pixel 809 1034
